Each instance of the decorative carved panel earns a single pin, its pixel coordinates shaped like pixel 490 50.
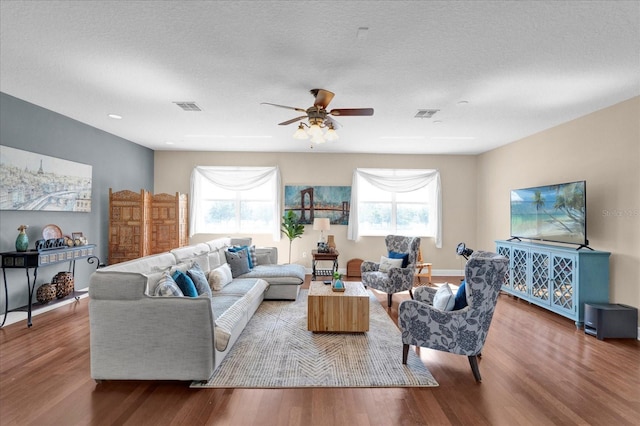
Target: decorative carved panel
pixel 141 224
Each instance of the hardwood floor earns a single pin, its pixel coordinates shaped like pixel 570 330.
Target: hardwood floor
pixel 537 369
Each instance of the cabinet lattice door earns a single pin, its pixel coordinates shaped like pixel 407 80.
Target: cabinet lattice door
pixel 141 224
pixel 560 279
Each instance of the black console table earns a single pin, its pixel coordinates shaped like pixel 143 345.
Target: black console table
pixel 33 259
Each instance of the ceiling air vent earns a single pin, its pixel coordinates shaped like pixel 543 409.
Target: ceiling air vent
pixel 426 113
pixel 188 106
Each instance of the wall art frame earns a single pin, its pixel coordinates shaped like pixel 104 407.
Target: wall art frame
pixel 312 201
pixel 37 182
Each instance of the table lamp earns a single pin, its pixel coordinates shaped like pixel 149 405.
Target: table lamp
pixel 321 224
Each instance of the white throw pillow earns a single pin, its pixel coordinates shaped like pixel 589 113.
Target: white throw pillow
pixel 386 264
pixel 220 277
pixel 444 298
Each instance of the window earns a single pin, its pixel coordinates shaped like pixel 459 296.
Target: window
pixel 395 201
pixel 228 200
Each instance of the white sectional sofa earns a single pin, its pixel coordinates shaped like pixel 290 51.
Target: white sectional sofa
pixel 138 336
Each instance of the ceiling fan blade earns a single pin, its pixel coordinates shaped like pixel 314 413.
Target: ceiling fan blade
pixel 284 106
pixel 323 97
pixel 333 122
pixel 352 111
pixel 293 120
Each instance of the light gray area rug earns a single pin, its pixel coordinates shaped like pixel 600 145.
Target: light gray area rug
pixel 275 350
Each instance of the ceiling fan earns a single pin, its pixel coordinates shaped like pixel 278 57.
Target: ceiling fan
pixel 319 118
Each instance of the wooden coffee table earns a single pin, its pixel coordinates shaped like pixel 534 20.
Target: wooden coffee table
pixel 335 312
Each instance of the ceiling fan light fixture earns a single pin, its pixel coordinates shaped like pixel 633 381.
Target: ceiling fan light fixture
pixel 331 134
pixel 300 133
pixel 318 139
pixel 315 130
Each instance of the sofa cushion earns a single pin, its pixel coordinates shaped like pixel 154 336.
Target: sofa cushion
pixel 278 274
pixel 238 261
pixel 220 277
pixel 197 252
pixel 226 321
pixel 199 279
pixel 444 299
pixel 167 286
pixel 185 283
pixel 386 264
pixel 145 265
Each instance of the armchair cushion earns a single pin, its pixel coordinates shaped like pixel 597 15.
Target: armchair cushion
pixel 461 297
pixel 403 256
pixel 444 299
pixel 386 264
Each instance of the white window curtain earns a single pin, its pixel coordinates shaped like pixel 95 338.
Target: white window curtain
pixel 409 180
pixel 234 179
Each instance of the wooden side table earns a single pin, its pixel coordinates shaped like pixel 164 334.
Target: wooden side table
pixel 338 312
pixel 319 257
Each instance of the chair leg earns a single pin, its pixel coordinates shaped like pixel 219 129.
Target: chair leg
pixel 389 299
pixel 473 361
pixel 411 294
pixel 405 353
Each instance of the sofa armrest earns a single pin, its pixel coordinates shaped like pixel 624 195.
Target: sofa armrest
pixel 154 338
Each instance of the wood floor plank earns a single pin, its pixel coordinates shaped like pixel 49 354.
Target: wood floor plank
pixel 537 369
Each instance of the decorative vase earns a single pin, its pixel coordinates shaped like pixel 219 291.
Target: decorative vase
pixel 331 242
pixel 22 242
pixel 337 285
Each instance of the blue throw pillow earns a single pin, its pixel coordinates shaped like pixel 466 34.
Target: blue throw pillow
pixel 185 283
pixel 403 256
pixel 461 297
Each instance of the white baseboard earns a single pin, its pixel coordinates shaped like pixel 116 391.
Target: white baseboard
pixel 447 273
pixel 36 309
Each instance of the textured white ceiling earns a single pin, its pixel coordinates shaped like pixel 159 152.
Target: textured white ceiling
pixel 522 67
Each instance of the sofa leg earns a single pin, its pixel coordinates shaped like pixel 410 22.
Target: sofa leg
pixel 405 353
pixel 473 361
pixel 389 299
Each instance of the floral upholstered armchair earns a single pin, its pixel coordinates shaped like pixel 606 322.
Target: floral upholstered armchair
pixel 461 332
pixel 393 277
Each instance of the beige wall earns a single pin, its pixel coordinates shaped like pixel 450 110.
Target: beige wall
pixel 602 148
pixel 458 174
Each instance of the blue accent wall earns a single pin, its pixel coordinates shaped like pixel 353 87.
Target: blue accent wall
pixel 116 163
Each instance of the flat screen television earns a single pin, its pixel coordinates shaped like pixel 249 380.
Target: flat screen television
pixel 555 213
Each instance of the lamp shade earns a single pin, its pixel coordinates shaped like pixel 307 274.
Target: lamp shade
pixel 321 224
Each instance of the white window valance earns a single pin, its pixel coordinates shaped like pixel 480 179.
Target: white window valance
pixel 404 180
pixel 234 179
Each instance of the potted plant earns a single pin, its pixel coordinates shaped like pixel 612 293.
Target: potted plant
pixel 291 228
pixel 337 284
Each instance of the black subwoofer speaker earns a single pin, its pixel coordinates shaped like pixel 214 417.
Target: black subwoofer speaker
pixel 610 321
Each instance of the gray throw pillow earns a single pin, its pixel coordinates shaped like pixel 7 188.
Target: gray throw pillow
pixel 199 279
pixel 238 261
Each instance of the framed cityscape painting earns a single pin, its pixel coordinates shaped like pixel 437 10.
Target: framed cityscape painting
pixel 30 181
pixel 309 202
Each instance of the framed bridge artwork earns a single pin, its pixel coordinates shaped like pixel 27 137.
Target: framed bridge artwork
pixel 309 202
pixel 30 181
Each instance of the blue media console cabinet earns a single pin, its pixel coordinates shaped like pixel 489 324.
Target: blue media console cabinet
pixel 560 279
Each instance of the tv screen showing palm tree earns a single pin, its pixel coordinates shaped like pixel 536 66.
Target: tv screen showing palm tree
pixel 550 213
